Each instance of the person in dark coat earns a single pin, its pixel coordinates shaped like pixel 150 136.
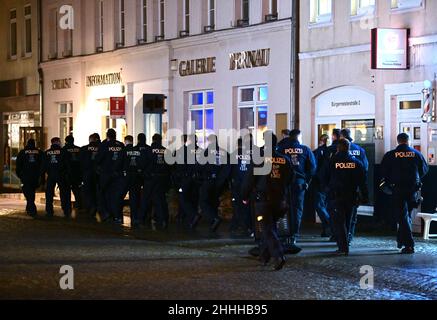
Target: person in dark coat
pixel 28 169
pixel 271 201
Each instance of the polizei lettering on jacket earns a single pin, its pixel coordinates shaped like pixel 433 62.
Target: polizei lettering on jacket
pixel 347 165
pixel 294 151
pixel 405 155
pixel 53 152
pixel 115 149
pixel 133 153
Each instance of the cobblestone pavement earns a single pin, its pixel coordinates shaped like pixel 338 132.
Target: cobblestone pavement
pixel 115 263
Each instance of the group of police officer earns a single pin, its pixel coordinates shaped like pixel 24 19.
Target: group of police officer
pixel 102 173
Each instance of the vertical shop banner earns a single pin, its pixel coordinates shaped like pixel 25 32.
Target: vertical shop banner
pixel 118 107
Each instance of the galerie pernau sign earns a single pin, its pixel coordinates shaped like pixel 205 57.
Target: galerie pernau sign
pixel 198 66
pixel 249 59
pixel 103 79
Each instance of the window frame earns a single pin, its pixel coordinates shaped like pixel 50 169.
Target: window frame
pixel 201 107
pixel 144 19
pixel 12 45
pixel 255 105
pixel 248 10
pixel 213 15
pixel 362 11
pixel 317 19
pixel 121 23
pixel 394 10
pixel 100 24
pixel 161 18
pixel 271 7
pixel 186 16
pixel 68 115
pixel 27 17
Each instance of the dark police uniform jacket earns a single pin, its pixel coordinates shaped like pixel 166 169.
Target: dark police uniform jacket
pixel 302 160
pixel 109 160
pixel 187 167
pixel 135 161
pixel 360 154
pixel 29 162
pixel 270 190
pixel 321 156
pixel 72 156
pixel 55 163
pixel 345 176
pixel 158 165
pixel 404 168
pixel 217 168
pixel 88 156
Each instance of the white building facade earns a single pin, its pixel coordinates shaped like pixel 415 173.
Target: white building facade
pixel 339 88
pixel 221 64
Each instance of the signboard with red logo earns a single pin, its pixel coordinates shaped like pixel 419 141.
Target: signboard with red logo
pixel 390 49
pixel 118 107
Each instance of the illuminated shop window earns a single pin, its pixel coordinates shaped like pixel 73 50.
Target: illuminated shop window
pixel 320 11
pixel 253 110
pixel 362 7
pixel 65 120
pixel 201 111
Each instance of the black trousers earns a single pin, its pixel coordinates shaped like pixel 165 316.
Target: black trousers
pixel 132 184
pixel 402 209
pixel 75 186
pixel 189 199
pixel 29 191
pixel 159 199
pixel 64 193
pixel 89 193
pixel 242 213
pixel 342 215
pixel 270 244
pixel 209 199
pixel 111 192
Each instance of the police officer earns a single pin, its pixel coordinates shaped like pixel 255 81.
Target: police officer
pixel 55 166
pixel 187 176
pixel 304 165
pixel 72 153
pixel 110 167
pixel 332 149
pixel 285 137
pixel 214 176
pixel 160 177
pixel 241 222
pixel 134 165
pixel 403 169
pixel 88 156
pixel 360 154
pixel 28 170
pixel 146 196
pixel 345 176
pixel 270 200
pixel 320 196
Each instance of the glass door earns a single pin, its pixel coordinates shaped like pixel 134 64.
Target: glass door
pixel 414 131
pixel 152 125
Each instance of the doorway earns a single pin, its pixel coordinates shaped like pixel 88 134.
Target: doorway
pixel 152 125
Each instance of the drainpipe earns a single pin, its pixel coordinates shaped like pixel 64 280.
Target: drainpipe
pixel 294 74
